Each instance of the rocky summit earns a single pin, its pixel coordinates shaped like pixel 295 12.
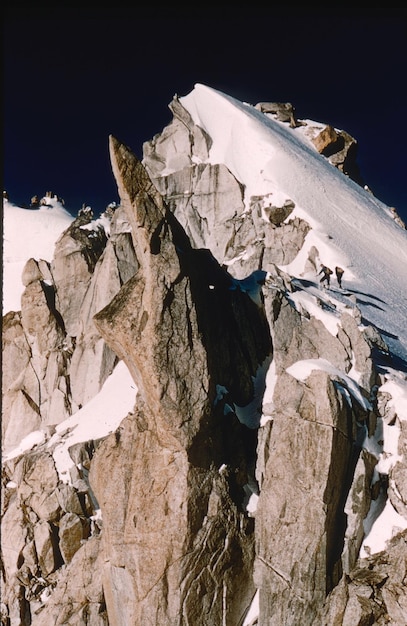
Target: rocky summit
pixel 154 524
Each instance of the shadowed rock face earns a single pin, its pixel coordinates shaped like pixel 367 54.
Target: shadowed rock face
pixel 183 328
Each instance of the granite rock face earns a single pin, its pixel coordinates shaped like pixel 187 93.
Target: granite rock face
pixel 172 329
pixel 153 525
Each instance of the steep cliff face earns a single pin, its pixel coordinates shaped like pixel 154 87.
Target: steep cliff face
pixel 153 525
pixel 180 339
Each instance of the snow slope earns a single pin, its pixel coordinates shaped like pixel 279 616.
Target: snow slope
pixel 353 229
pixel 28 233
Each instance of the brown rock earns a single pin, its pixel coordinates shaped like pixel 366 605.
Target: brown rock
pixel 72 530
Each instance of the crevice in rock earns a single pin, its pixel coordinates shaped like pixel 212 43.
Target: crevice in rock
pixel 31 402
pixel 155 240
pixel 50 296
pixel 237 339
pixel 348 448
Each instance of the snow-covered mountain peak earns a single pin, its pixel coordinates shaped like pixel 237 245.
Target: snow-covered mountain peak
pixel 185 401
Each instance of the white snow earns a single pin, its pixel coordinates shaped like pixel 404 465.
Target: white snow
pixel 28 233
pixel 253 612
pixel 35 438
pixel 380 528
pixel 397 388
pixel 350 228
pixel 99 417
pixel 307 301
pixel 302 369
pixel 381 523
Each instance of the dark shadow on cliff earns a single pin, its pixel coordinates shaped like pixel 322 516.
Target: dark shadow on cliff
pixel 236 335
pixel 346 452
pixel 384 360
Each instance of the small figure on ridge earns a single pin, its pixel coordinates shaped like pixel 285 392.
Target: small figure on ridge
pixel 339 273
pixel 326 275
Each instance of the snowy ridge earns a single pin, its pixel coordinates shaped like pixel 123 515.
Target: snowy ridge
pixel 269 157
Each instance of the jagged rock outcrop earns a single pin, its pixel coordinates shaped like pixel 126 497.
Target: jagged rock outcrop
pixel 44 523
pixel 284 111
pixel 341 150
pixel 295 568
pixel 152 526
pixel 209 203
pixel 373 593
pixel 178 320
pixel 56 359
pixel 336 145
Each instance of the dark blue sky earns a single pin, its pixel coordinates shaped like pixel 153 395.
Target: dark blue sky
pixel 72 77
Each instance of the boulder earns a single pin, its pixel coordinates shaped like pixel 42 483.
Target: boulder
pixel 284 111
